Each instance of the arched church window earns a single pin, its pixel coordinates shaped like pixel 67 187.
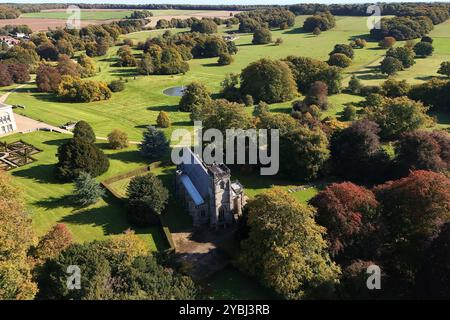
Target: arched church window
pixel 221 214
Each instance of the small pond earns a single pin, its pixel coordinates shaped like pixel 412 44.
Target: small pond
pixel 174 91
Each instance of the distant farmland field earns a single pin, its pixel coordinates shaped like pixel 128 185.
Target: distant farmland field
pixel 117 14
pixel 85 14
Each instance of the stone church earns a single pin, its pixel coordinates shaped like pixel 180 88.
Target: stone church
pixel 207 192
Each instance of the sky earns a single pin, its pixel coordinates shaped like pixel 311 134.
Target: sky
pixel 241 2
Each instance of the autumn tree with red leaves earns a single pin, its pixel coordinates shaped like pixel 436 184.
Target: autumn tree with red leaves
pixel 413 210
pixel 52 243
pixel 346 210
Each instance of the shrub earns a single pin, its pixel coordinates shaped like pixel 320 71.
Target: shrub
pixel 387 42
pixel 423 49
pixel 116 86
pixel 278 41
pixel 344 49
pixel 163 120
pixel 339 60
pixel 248 100
pixel 117 139
pixel 225 59
pixel 354 85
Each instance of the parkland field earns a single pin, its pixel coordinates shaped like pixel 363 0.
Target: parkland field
pixel 140 103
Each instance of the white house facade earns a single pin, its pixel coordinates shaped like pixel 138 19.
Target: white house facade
pixel 7 120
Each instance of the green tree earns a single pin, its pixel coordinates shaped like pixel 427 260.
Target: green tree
pixel 307 151
pixel 285 248
pixel 268 80
pixel 154 143
pixel 80 155
pixel 84 131
pixel 307 70
pixel 146 65
pixel 398 115
pixel 354 85
pixel 119 268
pixel 204 25
pixel 225 59
pixel 390 66
pixel 87 190
pixel 393 88
pixel 262 36
pixel 403 54
pixel 343 49
pixel 444 69
pixel 195 95
pixel 117 139
pixel 222 114
pixel 147 198
pixel 339 60
pixel 423 49
pixel 349 113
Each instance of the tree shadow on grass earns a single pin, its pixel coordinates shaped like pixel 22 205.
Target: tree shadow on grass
pixel 365 36
pixel 295 31
pixel 56 142
pixel 166 108
pixel 66 201
pixel 133 156
pixel 112 220
pixel 372 76
pixel 129 72
pixel 211 64
pixel 182 123
pixel 424 78
pixel 43 173
pixel 286 109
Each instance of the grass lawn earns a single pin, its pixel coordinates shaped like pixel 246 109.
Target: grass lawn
pixel 49 201
pixel 139 104
pixel 231 284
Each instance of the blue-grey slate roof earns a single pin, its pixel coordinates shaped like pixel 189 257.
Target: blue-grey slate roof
pixel 193 167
